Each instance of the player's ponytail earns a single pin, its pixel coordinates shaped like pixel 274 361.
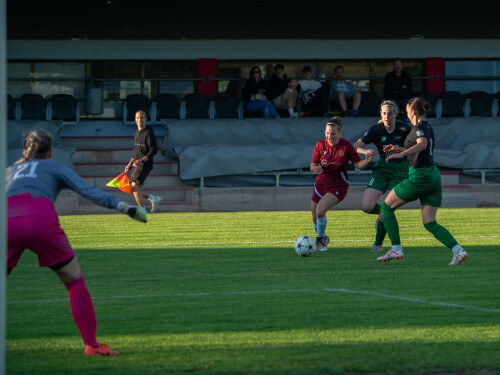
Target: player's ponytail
pixel 37 145
pixel 419 105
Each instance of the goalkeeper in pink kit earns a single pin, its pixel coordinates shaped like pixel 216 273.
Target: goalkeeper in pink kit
pixel 33 184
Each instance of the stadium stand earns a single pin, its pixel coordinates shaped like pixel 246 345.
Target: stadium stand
pixel 167 107
pixel 197 106
pixel 64 107
pixel 226 106
pixel 451 104
pixel 11 107
pixel 370 104
pixel 480 103
pixel 33 107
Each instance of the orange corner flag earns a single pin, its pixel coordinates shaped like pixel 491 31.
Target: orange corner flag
pixel 121 182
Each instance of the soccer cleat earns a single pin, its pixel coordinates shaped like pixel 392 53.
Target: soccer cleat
pixel 102 349
pixel 137 213
pixel 294 115
pixel 322 243
pixel 376 248
pixel 155 202
pixel 391 254
pixel 458 257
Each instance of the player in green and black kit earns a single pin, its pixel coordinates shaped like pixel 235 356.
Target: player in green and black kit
pixel 385 175
pixel 423 182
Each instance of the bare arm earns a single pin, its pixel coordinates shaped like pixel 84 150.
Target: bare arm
pixel 315 168
pixel 421 145
pixel 359 147
pixel 362 164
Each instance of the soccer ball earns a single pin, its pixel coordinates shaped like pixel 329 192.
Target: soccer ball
pixel 305 246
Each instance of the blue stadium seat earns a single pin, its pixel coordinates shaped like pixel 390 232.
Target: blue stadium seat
pixel 451 104
pixel 167 107
pixel 197 106
pixel 33 107
pixel 65 107
pixel 11 107
pixel 480 103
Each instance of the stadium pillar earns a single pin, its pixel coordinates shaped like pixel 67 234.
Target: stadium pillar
pixel 434 66
pixel 3 164
pixel 207 68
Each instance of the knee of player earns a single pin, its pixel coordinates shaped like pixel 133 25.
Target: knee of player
pixel 135 186
pixel 367 207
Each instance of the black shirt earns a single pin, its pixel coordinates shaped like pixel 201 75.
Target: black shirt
pixel 277 86
pixel 423 158
pixel 145 144
pixel 394 86
pixel 380 137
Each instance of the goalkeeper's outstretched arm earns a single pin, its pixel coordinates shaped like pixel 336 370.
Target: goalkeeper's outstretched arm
pixel 135 212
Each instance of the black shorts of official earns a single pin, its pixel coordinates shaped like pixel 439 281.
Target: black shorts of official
pixel 140 173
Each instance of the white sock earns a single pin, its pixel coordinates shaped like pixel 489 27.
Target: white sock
pixel 321 223
pixel 315 226
pixel 290 111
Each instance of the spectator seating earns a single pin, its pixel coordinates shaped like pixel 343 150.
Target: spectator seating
pixel 64 107
pixel 197 106
pixel 226 106
pixel 479 103
pixel 430 98
pixel 370 104
pixel 132 104
pixel 11 108
pixel 451 104
pixel 33 107
pixel 496 104
pixel 167 106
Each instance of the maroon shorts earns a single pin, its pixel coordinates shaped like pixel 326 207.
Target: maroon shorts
pixel 33 224
pixel 320 191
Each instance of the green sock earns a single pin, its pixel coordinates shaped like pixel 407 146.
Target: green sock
pixel 391 224
pixel 441 234
pixel 376 210
pixel 381 232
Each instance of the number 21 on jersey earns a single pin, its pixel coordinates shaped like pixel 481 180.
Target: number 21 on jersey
pixel 26 170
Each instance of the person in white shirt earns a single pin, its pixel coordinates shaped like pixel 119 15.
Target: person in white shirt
pixel 313 93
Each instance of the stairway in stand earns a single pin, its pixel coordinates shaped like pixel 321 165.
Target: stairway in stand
pixel 99 159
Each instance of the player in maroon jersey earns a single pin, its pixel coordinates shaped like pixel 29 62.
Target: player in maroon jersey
pixel 329 162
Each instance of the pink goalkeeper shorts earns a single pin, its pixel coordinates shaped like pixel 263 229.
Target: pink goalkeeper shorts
pixel 33 224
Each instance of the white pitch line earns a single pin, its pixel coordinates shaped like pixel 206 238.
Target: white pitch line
pixel 336 290
pixel 416 300
pixel 254 242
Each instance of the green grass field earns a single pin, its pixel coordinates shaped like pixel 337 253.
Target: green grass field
pixel 225 293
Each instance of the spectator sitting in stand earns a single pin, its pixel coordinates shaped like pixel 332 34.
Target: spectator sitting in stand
pixel 283 91
pixel 314 93
pixel 344 91
pixel 254 95
pixel 398 84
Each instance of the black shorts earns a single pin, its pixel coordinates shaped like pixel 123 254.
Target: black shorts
pixel 140 173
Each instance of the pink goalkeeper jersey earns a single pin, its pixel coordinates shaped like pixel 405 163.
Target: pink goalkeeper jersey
pixel 334 160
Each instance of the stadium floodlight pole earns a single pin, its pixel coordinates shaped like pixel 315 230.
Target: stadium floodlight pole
pixel 3 164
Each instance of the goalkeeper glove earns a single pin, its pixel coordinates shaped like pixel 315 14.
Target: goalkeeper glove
pixel 135 212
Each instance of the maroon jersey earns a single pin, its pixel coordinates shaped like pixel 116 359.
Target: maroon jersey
pixel 334 160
